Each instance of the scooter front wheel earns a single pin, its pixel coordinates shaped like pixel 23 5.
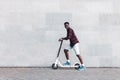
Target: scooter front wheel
pixel 54 66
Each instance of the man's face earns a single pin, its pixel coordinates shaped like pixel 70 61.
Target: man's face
pixel 66 26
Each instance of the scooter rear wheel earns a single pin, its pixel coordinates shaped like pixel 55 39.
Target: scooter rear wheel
pixel 54 66
pixel 77 66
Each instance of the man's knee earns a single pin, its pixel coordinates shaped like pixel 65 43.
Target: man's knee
pixel 65 50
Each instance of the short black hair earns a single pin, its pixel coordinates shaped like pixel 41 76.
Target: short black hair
pixel 66 23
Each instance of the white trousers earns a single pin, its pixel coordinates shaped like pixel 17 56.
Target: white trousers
pixel 75 48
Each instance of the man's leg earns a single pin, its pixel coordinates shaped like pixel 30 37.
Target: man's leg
pixel 76 49
pixel 66 54
pixel 80 59
pixel 67 57
pixel 66 50
pixel 82 67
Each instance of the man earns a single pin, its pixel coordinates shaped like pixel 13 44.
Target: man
pixel 74 44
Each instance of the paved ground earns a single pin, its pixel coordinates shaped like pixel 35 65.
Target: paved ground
pixel 59 74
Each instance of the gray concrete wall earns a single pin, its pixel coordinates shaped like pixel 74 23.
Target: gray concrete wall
pixel 30 29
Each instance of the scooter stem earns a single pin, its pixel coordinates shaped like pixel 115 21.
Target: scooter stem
pixel 59 48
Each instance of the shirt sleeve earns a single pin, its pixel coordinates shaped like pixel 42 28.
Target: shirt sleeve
pixel 69 34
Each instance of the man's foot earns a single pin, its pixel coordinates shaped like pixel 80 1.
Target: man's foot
pixel 82 68
pixel 67 64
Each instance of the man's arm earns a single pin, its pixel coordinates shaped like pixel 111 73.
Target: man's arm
pixel 69 34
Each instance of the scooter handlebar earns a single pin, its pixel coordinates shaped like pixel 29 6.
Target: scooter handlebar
pixel 60 40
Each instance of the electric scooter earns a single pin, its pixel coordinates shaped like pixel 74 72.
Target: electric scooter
pixel 57 62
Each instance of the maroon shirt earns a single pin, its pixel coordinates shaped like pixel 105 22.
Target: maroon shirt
pixel 72 37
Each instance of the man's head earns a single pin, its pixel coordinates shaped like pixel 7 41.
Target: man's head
pixel 66 24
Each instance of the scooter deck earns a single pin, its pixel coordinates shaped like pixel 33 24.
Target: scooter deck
pixel 67 66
